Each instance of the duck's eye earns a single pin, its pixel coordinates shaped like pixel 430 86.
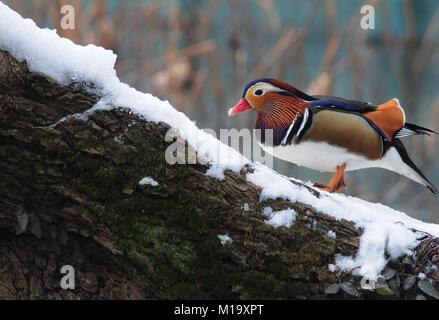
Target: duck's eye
pixel 259 92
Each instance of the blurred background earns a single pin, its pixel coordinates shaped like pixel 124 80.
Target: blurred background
pixel 199 54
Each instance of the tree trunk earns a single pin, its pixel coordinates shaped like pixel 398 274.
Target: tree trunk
pixel 70 195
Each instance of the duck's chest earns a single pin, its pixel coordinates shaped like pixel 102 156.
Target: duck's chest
pixel 316 155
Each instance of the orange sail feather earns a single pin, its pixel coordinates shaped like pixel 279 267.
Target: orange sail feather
pixel 389 117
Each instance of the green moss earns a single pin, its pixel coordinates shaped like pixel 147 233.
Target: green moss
pixel 98 209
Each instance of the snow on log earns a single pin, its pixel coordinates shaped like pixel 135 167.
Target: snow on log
pixel 84 182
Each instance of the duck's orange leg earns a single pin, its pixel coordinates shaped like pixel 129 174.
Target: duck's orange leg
pixel 337 182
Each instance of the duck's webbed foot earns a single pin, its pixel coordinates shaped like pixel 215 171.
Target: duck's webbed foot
pixel 337 183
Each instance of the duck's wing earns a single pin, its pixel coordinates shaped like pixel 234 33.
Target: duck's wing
pixel 339 128
pixel 388 119
pixel 344 104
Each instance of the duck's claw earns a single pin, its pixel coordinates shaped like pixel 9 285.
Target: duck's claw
pixel 336 184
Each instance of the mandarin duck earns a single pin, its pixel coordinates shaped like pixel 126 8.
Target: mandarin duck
pixel 331 134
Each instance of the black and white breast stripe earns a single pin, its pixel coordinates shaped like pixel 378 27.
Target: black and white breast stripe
pixel 297 129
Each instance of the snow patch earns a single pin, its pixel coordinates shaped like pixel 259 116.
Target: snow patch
pixel 224 239
pixel 386 231
pixel 370 259
pixel 331 234
pixel 148 181
pixel 216 172
pixel 332 267
pixel 283 218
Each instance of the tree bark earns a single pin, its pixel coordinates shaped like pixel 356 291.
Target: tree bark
pixel 70 195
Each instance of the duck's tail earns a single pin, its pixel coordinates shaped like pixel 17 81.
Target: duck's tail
pixel 410 129
pixel 407 167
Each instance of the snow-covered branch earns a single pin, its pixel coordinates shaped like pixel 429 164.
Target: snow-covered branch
pixel 85 182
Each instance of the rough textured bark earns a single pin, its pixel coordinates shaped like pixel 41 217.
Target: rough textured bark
pixel 69 195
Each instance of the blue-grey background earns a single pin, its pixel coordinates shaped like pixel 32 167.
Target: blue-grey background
pixel 199 54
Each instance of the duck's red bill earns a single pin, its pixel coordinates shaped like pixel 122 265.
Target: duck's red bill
pixel 241 106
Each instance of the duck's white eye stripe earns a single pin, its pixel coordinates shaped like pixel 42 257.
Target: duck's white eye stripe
pixel 265 87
